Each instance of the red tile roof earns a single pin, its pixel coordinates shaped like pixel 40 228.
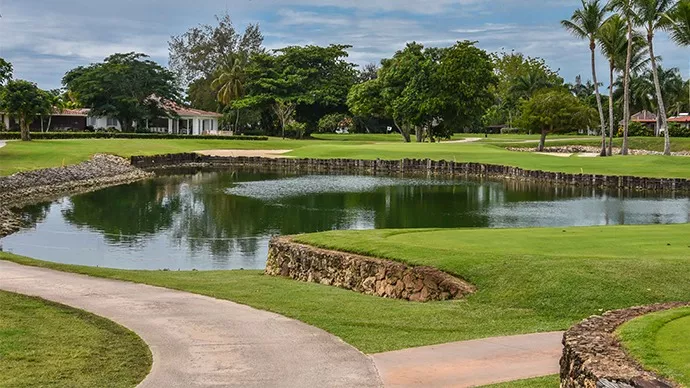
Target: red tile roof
pixel 680 119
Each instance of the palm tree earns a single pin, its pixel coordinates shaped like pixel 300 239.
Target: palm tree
pixel 585 24
pixel 230 81
pixel 679 24
pixel 679 18
pixel 526 85
pixel 614 45
pixel 650 14
pixel 626 10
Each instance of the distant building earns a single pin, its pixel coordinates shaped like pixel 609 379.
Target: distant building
pixel 188 121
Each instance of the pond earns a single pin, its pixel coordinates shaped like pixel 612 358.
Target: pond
pixel 203 219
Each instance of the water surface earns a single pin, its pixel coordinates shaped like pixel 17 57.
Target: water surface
pixel 223 220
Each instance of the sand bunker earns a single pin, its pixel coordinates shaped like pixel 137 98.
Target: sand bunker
pixel 245 153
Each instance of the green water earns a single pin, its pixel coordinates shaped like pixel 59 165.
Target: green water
pixel 223 219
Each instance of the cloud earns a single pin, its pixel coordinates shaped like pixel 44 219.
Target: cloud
pixel 44 45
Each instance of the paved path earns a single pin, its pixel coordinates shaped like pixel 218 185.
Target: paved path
pixel 472 363
pixel 2 144
pixel 199 341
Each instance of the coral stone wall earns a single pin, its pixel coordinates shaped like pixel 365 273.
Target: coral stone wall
pixel 594 358
pixel 367 275
pixel 414 166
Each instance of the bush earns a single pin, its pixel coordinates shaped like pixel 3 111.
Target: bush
pixel 119 135
pixel 636 129
pixel 677 130
pixel 333 122
pixel 295 129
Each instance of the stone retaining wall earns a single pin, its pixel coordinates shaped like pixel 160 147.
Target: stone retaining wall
pixel 593 357
pixel 414 166
pixel 384 278
pixel 48 184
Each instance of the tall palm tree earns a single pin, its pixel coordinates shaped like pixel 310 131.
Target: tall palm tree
pixel 614 45
pixel 626 10
pixel 585 24
pixel 230 81
pixel 651 15
pixel 679 25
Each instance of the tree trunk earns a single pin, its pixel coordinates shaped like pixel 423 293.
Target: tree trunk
pixel 405 134
pixel 596 91
pixel 50 122
pixel 659 96
pixel 542 140
pixel 419 131
pixel 237 122
pixel 24 128
pixel 626 91
pixel 612 125
pixel 42 128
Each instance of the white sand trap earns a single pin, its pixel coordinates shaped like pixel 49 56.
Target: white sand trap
pixel 589 155
pixel 468 140
pixel 556 154
pixel 245 153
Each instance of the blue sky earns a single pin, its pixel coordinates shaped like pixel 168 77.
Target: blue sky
pixel 46 38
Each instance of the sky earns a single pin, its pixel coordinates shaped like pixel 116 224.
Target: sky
pixel 45 38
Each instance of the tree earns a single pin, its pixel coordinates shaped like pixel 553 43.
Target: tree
pixel 585 24
pixel 199 52
pixel 679 19
pixel 58 104
pixel 366 101
pixel 519 76
pixel 626 10
pixel 368 72
pixel 651 15
pixel 230 82
pixel 555 110
pixel 128 87
pixel 25 102
pixel 305 83
pixel 5 71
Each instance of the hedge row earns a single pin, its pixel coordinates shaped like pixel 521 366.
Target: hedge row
pixel 118 135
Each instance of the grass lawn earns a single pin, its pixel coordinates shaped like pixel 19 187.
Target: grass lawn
pixel 18 156
pixel 542 382
pixel 661 343
pixel 529 280
pixel 43 344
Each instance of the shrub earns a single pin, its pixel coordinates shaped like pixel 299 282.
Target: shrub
pixel 677 130
pixel 334 121
pixel 119 135
pixel 295 129
pixel 636 129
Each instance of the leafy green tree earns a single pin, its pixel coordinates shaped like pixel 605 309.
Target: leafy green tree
pixel 5 71
pixel 519 76
pixel 201 51
pixel 365 102
pixel 58 104
pixel 25 102
pixel 555 110
pixel 230 82
pixel 651 15
pixel 368 72
pixel 128 87
pixel 297 81
pixel 585 23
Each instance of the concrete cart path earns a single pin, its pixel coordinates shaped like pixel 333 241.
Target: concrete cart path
pixel 199 341
pixel 472 363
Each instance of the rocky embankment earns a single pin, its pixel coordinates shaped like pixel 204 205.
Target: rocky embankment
pixel 44 185
pixel 594 357
pixel 590 150
pixel 367 275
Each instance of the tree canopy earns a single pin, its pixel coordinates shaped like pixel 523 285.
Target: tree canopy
pixel 5 71
pixel 556 110
pixel 302 83
pixel 125 86
pixel 24 101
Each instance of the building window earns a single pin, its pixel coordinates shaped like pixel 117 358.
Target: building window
pixel 112 122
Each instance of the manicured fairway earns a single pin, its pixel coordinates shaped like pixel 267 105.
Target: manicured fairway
pixel 661 342
pixel 529 280
pixel 18 156
pixel 44 344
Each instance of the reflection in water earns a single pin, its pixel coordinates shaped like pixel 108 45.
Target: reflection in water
pixel 223 219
